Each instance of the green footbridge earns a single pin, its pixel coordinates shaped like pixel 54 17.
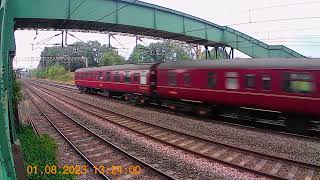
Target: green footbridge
pixel 133 17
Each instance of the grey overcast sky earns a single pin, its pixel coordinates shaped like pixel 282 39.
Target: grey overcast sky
pixel 301 33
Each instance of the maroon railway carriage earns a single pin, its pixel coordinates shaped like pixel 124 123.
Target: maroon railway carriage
pixel 291 86
pixel 117 80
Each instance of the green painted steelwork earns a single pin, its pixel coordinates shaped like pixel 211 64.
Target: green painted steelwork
pixel 7 130
pixel 105 15
pixel 139 18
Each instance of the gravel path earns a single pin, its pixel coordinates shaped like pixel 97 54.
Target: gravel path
pixel 300 149
pixel 66 154
pixel 181 164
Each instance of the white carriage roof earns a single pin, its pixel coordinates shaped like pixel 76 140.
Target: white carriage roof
pixel 276 63
pixel 116 67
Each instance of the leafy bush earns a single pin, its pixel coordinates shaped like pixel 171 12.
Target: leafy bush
pixel 111 57
pixel 17 95
pixel 55 73
pixel 40 151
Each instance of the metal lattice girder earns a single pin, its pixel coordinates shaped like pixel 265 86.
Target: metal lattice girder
pixel 7 136
pixel 140 18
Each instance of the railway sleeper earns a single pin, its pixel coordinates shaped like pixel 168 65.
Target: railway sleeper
pixel 294 123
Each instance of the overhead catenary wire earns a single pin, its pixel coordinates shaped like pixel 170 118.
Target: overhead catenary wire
pixel 254 22
pixel 303 43
pixel 77 38
pixel 36 36
pixel 286 30
pixel 48 39
pixel 89 44
pixel 284 5
pixel 274 20
pixel 250 10
pixel 251 22
pixel 279 38
pixel 118 42
pixel 285 40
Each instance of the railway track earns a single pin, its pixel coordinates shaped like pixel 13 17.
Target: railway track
pixel 104 157
pixel 259 126
pixel 59 85
pixel 29 119
pixel 262 164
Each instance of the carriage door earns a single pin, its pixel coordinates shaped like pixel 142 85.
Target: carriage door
pixel 143 78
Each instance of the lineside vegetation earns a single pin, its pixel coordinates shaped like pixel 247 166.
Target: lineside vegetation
pixel 54 73
pixel 40 156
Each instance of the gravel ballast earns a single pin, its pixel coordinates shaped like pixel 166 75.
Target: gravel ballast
pixel 181 164
pixel 66 154
pixel 300 149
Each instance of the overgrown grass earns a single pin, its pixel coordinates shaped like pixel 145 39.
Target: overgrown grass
pixel 54 73
pixel 40 151
pixel 17 94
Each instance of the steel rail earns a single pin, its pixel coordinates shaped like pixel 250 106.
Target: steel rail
pixel 64 137
pixel 101 138
pixel 34 127
pixel 244 151
pixel 313 137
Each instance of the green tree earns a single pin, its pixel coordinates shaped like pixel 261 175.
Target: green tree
pixel 167 50
pixel 92 50
pixel 111 57
pixel 140 54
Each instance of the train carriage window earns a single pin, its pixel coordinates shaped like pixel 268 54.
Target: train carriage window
pixel 298 83
pixel 116 77
pixel 186 79
pixel 100 77
pixel 250 81
pixel 143 77
pixel 91 75
pixel 232 81
pixel 87 75
pixel 266 82
pixel 172 78
pixel 212 80
pixel 127 77
pixel 108 76
pixel 136 77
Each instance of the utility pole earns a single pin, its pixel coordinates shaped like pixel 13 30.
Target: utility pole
pixel 62 39
pixel 206 52
pixel 109 40
pixel 198 52
pixel 85 60
pixel 66 38
pixel 142 57
pixel 137 38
